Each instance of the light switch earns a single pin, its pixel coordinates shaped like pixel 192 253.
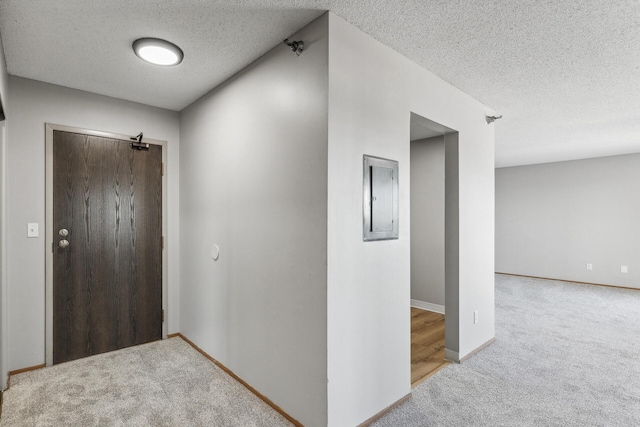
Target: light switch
pixel 624 269
pixel 32 229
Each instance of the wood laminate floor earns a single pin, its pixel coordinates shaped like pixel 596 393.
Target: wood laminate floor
pixel 427 344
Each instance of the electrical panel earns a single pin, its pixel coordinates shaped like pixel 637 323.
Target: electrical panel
pixel 380 199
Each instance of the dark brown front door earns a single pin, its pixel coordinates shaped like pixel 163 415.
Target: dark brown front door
pixel 107 261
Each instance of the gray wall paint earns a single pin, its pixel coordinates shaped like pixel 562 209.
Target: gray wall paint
pixel 427 220
pixel 455 293
pixel 254 182
pixel 372 92
pixel 32 105
pixel 552 219
pixel 4 349
pixel 4 76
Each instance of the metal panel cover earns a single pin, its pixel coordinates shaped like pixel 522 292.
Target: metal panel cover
pixel 380 199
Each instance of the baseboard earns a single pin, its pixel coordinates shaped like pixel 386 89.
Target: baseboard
pixel 477 350
pixel 454 356
pixel 427 306
pixel 264 398
pixel 569 281
pixel 385 411
pixel 173 335
pixel 20 371
pixel 30 368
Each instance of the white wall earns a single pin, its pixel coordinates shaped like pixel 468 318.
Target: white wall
pixel 4 76
pixel 427 222
pixel 372 91
pixel 32 105
pixel 4 353
pixel 254 182
pixel 552 219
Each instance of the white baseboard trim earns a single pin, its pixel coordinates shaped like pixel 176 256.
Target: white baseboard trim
pixel 427 306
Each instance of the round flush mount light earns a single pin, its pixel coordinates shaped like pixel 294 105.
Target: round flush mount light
pixel 158 51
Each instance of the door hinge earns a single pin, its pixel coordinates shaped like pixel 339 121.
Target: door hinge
pixel 162 169
pixel 163 315
pixel 162 242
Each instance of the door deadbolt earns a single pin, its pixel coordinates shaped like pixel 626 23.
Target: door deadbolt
pixel 63 243
pixel 63 232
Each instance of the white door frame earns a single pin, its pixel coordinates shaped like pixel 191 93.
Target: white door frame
pixel 4 335
pixel 49 232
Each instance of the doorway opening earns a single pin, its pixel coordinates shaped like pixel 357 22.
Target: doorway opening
pixel 434 247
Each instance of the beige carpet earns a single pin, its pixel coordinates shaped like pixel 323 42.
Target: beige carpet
pixel 165 383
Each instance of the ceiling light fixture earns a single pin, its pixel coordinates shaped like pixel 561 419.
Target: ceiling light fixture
pixel 157 51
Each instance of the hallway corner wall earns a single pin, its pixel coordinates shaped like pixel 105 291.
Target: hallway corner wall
pixel 372 92
pixel 254 183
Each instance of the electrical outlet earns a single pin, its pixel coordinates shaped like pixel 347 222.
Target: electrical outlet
pixel 589 267
pixel 475 316
pixel 624 269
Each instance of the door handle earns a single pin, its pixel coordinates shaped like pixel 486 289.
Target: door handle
pixel 63 243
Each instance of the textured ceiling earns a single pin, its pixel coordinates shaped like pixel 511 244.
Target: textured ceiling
pixel 565 74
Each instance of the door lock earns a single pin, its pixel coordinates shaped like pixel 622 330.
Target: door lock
pixel 63 232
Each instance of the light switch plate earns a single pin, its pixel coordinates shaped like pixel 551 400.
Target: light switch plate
pixel 32 229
